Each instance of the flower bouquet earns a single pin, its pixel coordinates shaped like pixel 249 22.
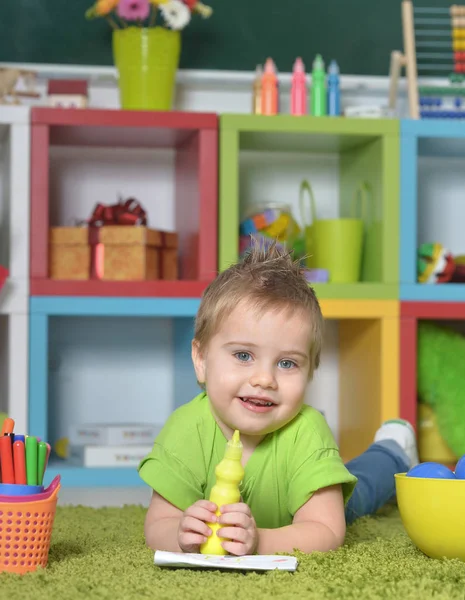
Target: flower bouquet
pixel 146 46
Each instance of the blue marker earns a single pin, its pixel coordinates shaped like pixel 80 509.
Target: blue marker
pixel 20 438
pixel 334 101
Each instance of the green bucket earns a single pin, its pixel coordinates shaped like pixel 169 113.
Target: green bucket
pixel 333 244
pixel 147 60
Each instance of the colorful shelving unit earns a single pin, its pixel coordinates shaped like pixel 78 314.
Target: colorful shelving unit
pixel 363 149
pixel 71 323
pixel 14 256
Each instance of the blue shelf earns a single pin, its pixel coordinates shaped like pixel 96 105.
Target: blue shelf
pixel 47 314
pixel 423 138
pixel 113 307
pixel 447 292
pixel 76 476
pixel 437 128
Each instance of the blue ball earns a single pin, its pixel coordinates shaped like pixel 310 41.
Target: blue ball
pixel 431 470
pixel 460 468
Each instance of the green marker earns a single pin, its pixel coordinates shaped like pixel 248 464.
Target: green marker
pixel 318 107
pixel 31 460
pixel 42 459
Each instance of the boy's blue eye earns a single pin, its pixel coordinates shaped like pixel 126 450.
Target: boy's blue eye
pixel 243 356
pixel 287 364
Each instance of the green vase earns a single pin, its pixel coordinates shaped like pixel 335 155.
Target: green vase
pixel 147 60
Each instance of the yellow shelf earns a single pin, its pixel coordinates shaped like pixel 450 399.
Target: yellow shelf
pixel 359 309
pixel 369 346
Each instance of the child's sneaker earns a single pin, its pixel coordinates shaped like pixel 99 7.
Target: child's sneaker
pixel 403 433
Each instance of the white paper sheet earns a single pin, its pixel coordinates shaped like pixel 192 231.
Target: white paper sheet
pixel 211 561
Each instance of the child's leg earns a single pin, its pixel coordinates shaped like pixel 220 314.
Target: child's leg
pixel 394 451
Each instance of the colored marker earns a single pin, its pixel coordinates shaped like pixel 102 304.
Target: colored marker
pixel 8 426
pixel 49 449
pixel 299 89
pixel 42 462
pixel 318 87
pixel 334 102
pixel 19 459
pixel 6 458
pixel 269 89
pixel 31 460
pixel 20 438
pixel 257 91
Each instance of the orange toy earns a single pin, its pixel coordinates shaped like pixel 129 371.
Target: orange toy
pixel 25 531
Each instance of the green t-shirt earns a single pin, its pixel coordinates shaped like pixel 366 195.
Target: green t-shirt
pixel 282 473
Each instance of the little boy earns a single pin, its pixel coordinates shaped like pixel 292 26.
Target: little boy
pixel 257 343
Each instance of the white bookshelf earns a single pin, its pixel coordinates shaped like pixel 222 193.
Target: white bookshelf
pixel 14 255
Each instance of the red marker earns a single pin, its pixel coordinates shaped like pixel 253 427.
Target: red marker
pixel 19 460
pixel 6 458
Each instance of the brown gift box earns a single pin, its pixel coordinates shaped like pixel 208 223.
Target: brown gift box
pixel 69 253
pixel 169 256
pixel 112 253
pixel 125 253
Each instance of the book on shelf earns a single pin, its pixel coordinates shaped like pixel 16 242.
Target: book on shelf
pixel 108 456
pixel 113 434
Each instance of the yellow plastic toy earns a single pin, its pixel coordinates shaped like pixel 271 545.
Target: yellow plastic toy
pixel 229 474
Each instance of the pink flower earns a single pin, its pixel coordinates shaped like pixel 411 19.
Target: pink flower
pixel 133 10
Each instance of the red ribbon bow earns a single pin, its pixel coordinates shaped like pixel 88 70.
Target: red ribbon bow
pixel 129 212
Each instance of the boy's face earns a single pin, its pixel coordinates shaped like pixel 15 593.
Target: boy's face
pixel 256 368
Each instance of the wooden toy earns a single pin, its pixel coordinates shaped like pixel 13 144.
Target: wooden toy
pixel 9 79
pixel 67 93
pixel 434 46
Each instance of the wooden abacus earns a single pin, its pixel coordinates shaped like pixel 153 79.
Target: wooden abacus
pixel 439 36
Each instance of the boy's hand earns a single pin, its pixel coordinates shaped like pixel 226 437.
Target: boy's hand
pixel 238 526
pixel 193 529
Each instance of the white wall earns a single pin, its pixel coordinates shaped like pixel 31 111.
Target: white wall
pixel 441 202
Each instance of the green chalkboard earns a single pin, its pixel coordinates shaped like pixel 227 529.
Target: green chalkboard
pixel 359 34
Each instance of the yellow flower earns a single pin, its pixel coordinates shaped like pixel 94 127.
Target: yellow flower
pixel 103 7
pixel 157 2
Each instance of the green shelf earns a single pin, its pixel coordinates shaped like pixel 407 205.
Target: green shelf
pixel 368 149
pixel 356 291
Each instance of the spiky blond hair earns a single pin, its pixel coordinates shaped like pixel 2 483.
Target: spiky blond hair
pixel 268 278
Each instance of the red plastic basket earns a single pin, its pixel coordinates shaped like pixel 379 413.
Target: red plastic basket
pixel 25 532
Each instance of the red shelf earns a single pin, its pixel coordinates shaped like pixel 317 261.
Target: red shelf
pixel 410 314
pixel 433 310
pixel 128 289
pixel 121 128
pixel 194 139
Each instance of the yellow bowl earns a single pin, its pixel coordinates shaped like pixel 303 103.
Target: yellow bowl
pixel 432 514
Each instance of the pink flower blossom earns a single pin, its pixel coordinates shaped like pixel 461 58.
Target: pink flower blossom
pixel 133 10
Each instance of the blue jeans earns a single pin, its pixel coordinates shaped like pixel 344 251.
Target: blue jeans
pixel 375 470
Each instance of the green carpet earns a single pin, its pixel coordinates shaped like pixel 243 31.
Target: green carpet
pixel 101 554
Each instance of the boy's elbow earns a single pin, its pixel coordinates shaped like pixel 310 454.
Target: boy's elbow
pixel 339 536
